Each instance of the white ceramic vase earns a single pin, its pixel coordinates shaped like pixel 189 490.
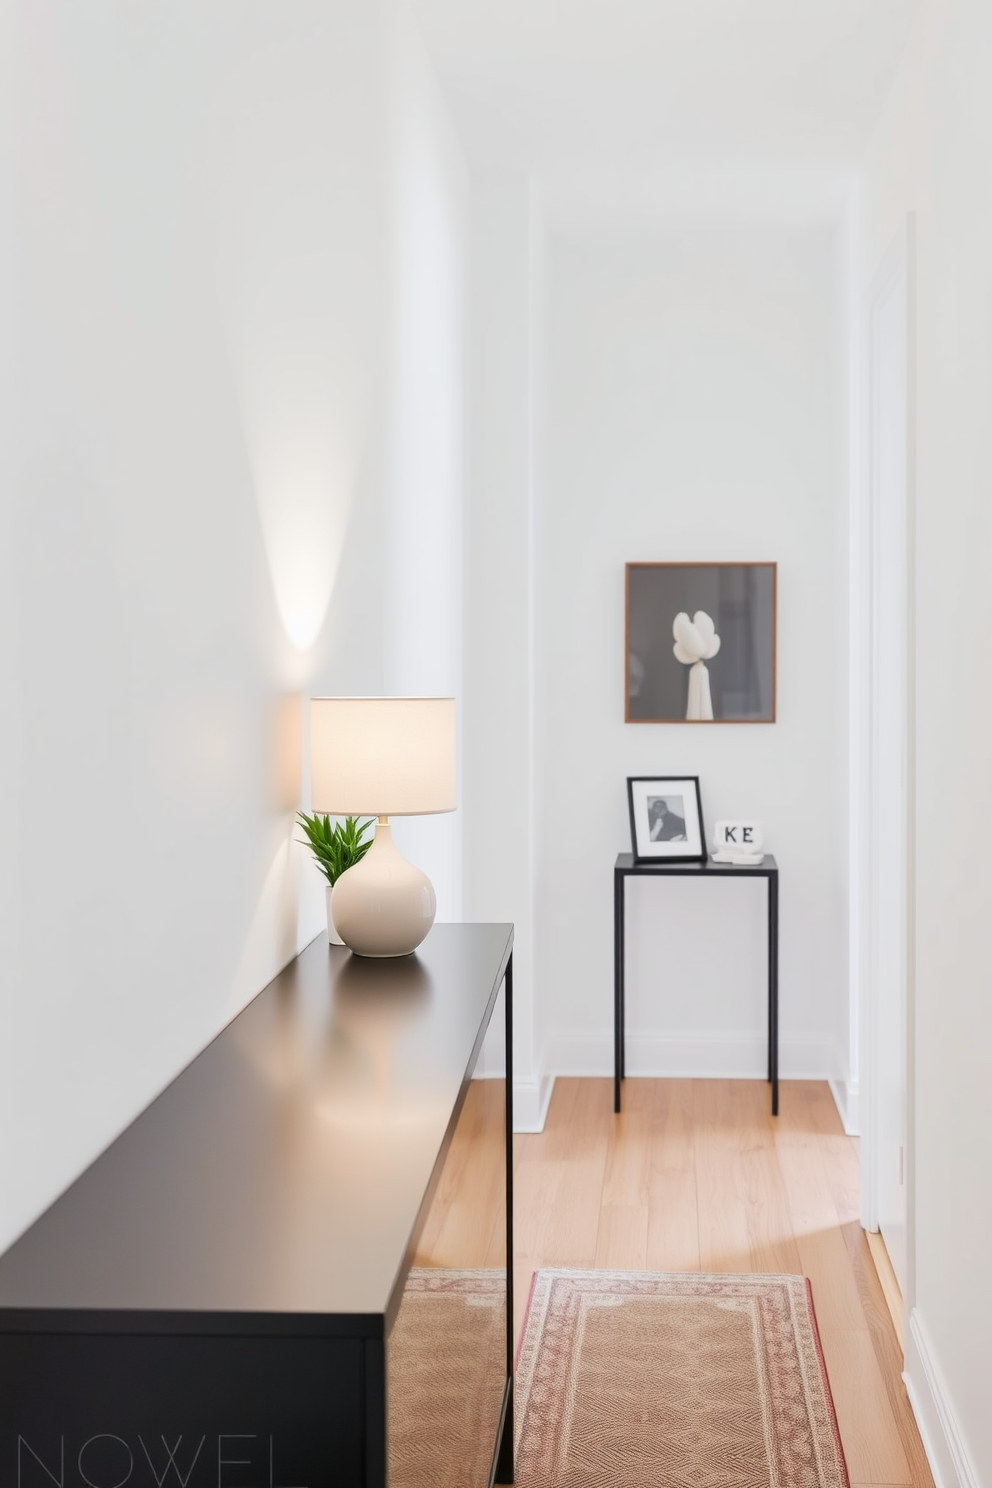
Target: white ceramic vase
pixel 333 938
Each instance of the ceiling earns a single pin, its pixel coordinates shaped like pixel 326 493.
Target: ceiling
pixel 669 108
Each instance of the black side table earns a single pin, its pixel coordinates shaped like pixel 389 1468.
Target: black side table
pixel 623 869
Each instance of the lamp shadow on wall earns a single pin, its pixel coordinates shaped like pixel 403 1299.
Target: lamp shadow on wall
pixel 284 752
pixel 271 938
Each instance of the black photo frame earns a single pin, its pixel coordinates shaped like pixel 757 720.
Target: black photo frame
pixel 666 819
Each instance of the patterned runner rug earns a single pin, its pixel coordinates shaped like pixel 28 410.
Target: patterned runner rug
pixel 636 1379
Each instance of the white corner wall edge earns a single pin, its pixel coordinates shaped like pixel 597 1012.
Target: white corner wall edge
pixel 845 1094
pixel 939 1430
pixel 531 1099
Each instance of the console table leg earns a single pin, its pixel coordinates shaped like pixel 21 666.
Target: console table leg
pixel 618 972
pixel 504 1461
pixel 773 988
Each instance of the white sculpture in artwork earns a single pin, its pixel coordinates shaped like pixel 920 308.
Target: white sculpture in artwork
pixel 696 642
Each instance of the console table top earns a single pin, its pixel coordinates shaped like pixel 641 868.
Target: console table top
pixel 625 864
pixel 283 1170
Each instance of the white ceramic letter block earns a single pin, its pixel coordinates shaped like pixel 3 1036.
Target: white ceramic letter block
pixel 738 836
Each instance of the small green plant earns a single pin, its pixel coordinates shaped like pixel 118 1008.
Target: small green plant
pixel 335 848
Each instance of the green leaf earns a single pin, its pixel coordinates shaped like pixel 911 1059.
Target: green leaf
pixel 337 846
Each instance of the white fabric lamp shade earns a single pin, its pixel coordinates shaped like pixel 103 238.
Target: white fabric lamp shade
pixel 382 756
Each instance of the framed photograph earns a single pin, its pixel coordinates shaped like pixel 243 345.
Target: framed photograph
pixel 700 643
pixel 666 819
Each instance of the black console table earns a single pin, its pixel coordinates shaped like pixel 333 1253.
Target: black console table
pixel 624 868
pixel 228 1295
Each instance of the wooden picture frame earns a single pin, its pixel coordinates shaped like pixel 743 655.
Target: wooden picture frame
pixel 733 684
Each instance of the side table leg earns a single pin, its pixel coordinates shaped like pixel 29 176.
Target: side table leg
pixel 771 957
pixel 773 988
pixel 623 978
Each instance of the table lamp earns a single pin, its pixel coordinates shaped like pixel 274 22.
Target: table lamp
pixel 382 757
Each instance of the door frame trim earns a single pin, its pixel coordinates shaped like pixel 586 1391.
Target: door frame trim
pixel 898 262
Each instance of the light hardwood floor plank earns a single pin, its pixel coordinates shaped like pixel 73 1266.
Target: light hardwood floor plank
pixel 763 1192
pixel 872 1444
pixel 622 1242
pixel 838 1153
pixel 673 1222
pixel 887 1350
pixel 888 1282
pixel 466 1225
pixel 724 1243
pixel 628 1159
pixel 558 1185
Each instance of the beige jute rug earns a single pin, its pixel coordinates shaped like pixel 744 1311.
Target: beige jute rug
pixel 636 1379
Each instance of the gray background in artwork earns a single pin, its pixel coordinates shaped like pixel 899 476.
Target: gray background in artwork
pixel 740 600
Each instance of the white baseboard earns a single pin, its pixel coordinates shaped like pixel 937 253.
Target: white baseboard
pixel 845 1094
pixel 692 1056
pixel 531 1099
pixel 939 1429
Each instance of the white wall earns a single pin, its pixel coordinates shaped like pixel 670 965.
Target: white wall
pixel 846 354
pixel 419 562
pixel 693 384
pixel 929 155
pixel 506 464
pixel 214 363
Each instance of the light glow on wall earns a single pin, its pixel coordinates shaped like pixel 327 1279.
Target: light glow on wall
pixel 303 434
pixel 296 233
pixel 303 511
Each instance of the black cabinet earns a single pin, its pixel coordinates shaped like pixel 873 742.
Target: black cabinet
pixel 232 1294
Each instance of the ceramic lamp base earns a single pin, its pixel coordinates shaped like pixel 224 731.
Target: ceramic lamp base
pixel 383 906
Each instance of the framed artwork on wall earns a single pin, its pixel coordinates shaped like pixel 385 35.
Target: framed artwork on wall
pixel 700 642
pixel 666 819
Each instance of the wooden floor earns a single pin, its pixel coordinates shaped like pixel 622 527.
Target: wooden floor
pixel 697 1175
